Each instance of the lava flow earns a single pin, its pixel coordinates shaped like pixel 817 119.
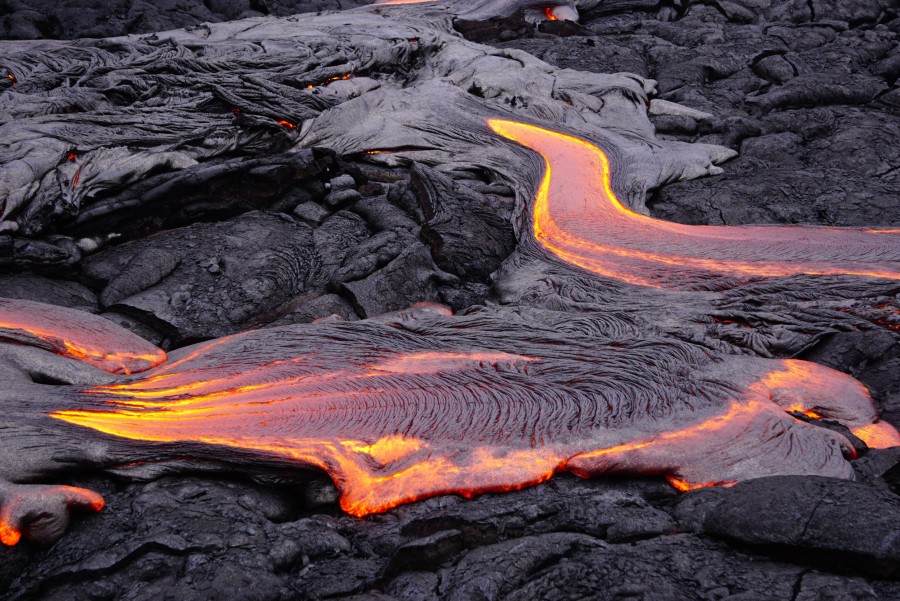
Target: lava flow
pixel 77 335
pixel 475 406
pixel 24 506
pixel 578 218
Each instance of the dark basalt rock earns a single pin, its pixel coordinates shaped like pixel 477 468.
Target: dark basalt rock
pixel 179 284
pixel 45 290
pixel 407 278
pixel 69 19
pixel 468 234
pixel 213 190
pixel 210 279
pixel 223 539
pixel 838 524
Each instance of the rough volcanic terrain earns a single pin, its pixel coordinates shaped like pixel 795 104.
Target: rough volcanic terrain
pixel 193 185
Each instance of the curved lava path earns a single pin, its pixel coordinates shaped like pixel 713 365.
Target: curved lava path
pixel 578 218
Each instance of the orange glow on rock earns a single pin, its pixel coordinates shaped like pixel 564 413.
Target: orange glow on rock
pixel 286 124
pixel 77 335
pixel 693 435
pixel 9 536
pixel 807 412
pixel 548 12
pixel 683 486
pixel 337 78
pixel 388 449
pixel 578 218
pixel 331 80
pixel 24 507
pixel 879 435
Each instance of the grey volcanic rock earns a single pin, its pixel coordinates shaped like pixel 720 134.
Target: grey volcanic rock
pixel 237 540
pixel 818 517
pixel 468 233
pixel 67 19
pixel 45 290
pixel 210 279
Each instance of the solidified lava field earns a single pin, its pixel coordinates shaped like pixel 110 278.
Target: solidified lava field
pixel 445 299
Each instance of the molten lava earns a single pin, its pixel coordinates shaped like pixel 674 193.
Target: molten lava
pixel 344 77
pixel 578 218
pixel 497 402
pixel 394 417
pixel 32 507
pixel 77 335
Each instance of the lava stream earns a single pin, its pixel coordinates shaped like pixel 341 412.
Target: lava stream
pixel 578 218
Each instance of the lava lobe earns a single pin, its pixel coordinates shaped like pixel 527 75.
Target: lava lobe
pixel 480 403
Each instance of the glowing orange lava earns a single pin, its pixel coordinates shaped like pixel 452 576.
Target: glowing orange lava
pixel 394 420
pixel 77 335
pixel 21 503
pixel 578 218
pixel 9 536
pixel 879 435
pixel 548 12
pixel 331 80
pixel 684 486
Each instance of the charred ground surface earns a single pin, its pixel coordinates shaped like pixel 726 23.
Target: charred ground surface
pixel 804 91
pixel 71 19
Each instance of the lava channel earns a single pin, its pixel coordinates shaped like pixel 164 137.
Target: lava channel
pixel 578 218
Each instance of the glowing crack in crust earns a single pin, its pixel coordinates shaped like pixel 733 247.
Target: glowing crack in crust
pixel 578 218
